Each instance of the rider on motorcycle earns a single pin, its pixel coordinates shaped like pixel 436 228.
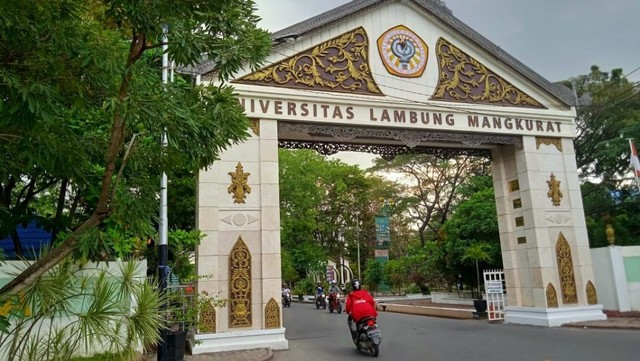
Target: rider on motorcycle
pixel 285 290
pixel 360 304
pixel 334 289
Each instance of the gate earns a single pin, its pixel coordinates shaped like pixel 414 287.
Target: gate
pixel 494 287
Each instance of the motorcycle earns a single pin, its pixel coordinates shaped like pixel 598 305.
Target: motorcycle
pixel 286 299
pixel 368 336
pixel 321 301
pixel 335 302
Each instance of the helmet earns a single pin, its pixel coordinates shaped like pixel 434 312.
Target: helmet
pixel 319 284
pixel 355 284
pixel 333 282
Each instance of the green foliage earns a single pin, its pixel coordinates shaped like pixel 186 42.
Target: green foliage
pixel 604 124
pixel 375 274
pixel 305 286
pixel 84 109
pixel 111 308
pixel 327 210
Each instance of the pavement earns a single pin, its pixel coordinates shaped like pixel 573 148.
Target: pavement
pixel 615 320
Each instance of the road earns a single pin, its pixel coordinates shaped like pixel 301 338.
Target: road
pixel 318 335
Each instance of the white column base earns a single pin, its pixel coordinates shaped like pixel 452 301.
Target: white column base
pixel 553 317
pixel 239 340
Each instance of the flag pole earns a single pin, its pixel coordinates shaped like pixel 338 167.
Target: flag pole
pixel 635 163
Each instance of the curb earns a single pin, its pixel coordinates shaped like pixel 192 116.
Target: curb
pixel 445 312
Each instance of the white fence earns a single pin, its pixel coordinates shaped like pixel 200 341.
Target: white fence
pixel 494 289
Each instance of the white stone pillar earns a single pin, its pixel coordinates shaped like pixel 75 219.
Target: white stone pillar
pixel 539 209
pixel 238 199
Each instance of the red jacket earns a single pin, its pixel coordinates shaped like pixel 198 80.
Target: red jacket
pixel 360 304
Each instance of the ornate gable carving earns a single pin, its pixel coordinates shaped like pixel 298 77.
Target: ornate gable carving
pixel 340 64
pixel 464 79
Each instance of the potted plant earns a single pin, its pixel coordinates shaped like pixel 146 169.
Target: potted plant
pixel 183 313
pixel 478 252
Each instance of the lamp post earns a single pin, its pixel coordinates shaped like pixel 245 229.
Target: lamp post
pixel 163 246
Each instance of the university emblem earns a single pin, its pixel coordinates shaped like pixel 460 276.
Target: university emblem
pixel 403 53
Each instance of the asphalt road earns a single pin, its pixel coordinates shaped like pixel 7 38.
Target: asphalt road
pixel 318 335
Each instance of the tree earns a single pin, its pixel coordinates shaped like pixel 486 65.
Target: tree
pixel 429 186
pixel 473 221
pixel 604 123
pixel 84 108
pixel 477 252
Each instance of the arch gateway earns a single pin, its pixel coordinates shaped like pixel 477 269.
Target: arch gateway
pixel 394 76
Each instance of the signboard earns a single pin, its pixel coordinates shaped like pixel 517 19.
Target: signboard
pixel 330 273
pixel 493 287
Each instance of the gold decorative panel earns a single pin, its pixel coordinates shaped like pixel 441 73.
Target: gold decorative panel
pixel 557 142
pixel 207 320
pixel 464 79
pixel 565 269
pixel 514 185
pixel 255 126
pixel 517 203
pixel 554 190
pixel 240 285
pixel 552 296
pixel 239 187
pixel 403 53
pixel 272 314
pixel 592 295
pixel 340 64
pixel 519 221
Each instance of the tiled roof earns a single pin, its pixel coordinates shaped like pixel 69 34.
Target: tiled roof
pixel 439 11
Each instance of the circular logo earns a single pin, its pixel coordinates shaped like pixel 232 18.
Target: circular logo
pixel 403 53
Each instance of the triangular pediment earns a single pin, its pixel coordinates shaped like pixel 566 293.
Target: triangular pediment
pixel 362 48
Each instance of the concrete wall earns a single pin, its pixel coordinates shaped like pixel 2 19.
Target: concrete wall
pixel 617 275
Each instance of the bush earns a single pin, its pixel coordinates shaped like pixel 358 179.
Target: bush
pixel 413 288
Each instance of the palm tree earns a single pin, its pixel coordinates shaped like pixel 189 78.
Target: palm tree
pixel 478 251
pixel 72 307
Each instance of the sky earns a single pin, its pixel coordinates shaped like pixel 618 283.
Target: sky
pixel 558 39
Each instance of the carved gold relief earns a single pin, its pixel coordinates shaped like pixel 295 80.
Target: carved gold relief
pixel 340 64
pixel 557 142
pixel 240 285
pixel 514 185
pixel 239 187
pixel 592 295
pixel 552 296
pixel 254 124
pixel 463 78
pixel 207 319
pixel 519 221
pixel 272 314
pixel 565 269
pixel 554 190
pixel 517 203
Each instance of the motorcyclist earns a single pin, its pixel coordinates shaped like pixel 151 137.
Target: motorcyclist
pixel 319 289
pixel 334 289
pixel 360 304
pixel 285 290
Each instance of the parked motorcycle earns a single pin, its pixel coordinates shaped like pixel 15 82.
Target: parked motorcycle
pixel 321 301
pixel 286 299
pixel 335 302
pixel 368 336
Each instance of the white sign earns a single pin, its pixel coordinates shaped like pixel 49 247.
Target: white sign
pixel 493 286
